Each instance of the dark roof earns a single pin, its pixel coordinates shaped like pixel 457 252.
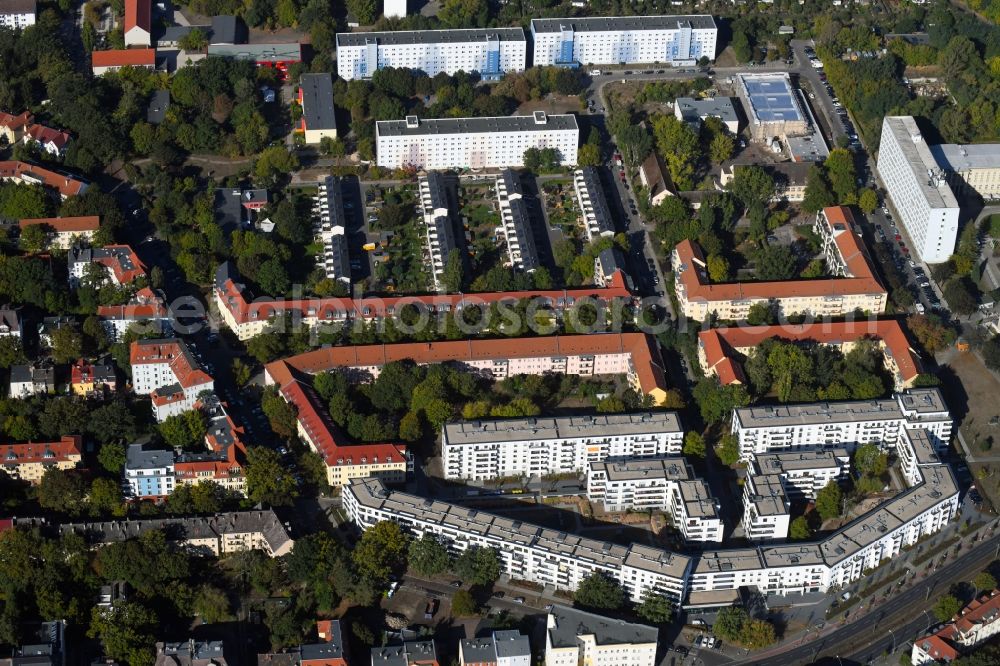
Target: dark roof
pixel 430 36
pixel 615 23
pixel 156 113
pixel 317 101
pixel 475 125
pixel 17 6
pixel 258 52
pixel 227 30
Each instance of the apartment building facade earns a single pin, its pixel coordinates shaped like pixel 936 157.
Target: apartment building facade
pixel 662 483
pixel 764 429
pixel 804 473
pixel 597 220
pixel 473 143
pixel 574 637
pixel 572 42
pixel 65 232
pixel 439 225
pixel 974 167
pixel 526 551
pixel 918 189
pixel 515 222
pixel 501 648
pixel 492 52
pixel 766 509
pixel 166 370
pixel 29 461
pixel 331 230
pixel 17 14
pixel 853 286
pixel 537 446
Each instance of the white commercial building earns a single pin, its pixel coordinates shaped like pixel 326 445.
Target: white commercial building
pixel 918 189
pixel 677 40
pixel 975 167
pixel 473 143
pixel 766 510
pixel 536 446
pixel 490 51
pixel 831 425
pixel 597 220
pixel 804 473
pixel 527 552
pixel 664 484
pixel 17 14
pixel 574 637
pixel 515 222
pixel 439 226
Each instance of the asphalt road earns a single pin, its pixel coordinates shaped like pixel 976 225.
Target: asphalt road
pixel 868 636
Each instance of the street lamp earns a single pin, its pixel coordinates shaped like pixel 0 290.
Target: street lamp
pixel 893 634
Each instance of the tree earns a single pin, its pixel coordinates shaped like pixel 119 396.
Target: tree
pixel 727 450
pixel 694 444
pixel 464 13
pixel 870 460
pixel 655 608
pixel 273 278
pixel 774 262
pixel 11 352
pixel 828 501
pixel 462 604
pixel 280 415
pixel 756 634
pixel 717 402
pixel 381 551
pixel 946 607
pixel 984 581
pixel 729 623
pixel 718 268
pixel 818 194
pixel 211 604
pixel 275 162
pixel 126 631
pixel 762 314
pixel 840 170
pixel 752 186
pixel 588 155
pixel 106 498
pixel 454 272
pixel 67 344
pixel 721 148
pixel 195 40
pixel 960 296
pixel 478 565
pixel 185 430
pixel 111 456
pixel 600 592
pixel 799 529
pixel 269 481
pixel 62 491
pixel 867 200
pixel 427 556
pixel 112 422
pixel 33 238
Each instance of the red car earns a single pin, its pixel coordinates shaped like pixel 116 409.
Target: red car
pixel 898 237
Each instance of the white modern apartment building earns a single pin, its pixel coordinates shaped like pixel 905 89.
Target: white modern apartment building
pixel 620 40
pixel 536 446
pixel 473 143
pixel 149 473
pixel 766 509
pixel 17 14
pixel 551 557
pixel 439 226
pixel 597 220
pixel 918 189
pixel 515 222
pixel 330 229
pixel 526 551
pixel 574 637
pixel 832 425
pixel 664 484
pixel 490 51
pixel 804 473
pixel 975 167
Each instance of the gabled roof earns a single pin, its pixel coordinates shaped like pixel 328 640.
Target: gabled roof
pixel 138 14
pixel 45 135
pixel 66 225
pixel 18 122
pixel 124 57
pixel 173 352
pixel 67 185
pixel 67 448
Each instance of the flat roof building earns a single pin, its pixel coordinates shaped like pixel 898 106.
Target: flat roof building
pixel 489 449
pixel 597 220
pixel 918 189
pixel 316 98
pixel 623 40
pixel 491 52
pixel 975 167
pixel 473 143
pixel 772 105
pixel 695 111
pixel 574 636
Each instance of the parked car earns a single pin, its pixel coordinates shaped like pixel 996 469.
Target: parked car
pixel 518 600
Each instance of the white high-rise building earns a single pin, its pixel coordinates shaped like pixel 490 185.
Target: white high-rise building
pixel 473 143
pixel 484 450
pixel 490 51
pixel 675 40
pixel 832 425
pixel 918 189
